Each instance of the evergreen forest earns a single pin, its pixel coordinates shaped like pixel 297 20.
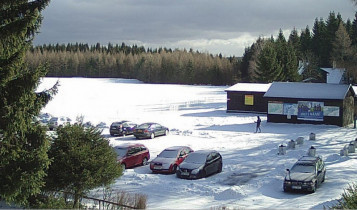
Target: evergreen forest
pixel 330 42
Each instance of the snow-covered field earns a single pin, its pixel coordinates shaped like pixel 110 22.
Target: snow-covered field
pixel 253 173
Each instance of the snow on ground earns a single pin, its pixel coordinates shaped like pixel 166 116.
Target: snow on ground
pixel 253 173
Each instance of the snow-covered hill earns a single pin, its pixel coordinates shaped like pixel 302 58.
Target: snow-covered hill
pixel 252 173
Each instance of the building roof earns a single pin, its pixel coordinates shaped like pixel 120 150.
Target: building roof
pixel 307 90
pixel 249 87
pixel 334 75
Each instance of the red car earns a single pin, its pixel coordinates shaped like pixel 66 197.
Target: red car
pixel 130 155
pixel 168 160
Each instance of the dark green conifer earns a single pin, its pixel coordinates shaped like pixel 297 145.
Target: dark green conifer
pixel 23 142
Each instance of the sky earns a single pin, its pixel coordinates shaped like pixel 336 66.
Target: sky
pixel 214 26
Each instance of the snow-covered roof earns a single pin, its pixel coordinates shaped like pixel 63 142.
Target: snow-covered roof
pixel 249 87
pixel 307 90
pixel 334 76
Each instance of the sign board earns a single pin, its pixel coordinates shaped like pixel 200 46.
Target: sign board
pixel 248 99
pixel 290 109
pixel 332 111
pixel 275 107
pixel 310 110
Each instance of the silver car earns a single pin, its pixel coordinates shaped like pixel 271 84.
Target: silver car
pixel 55 122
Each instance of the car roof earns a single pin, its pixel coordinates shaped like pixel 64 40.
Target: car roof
pixel 308 159
pixel 177 147
pixel 148 123
pixel 123 121
pixel 126 145
pixel 205 151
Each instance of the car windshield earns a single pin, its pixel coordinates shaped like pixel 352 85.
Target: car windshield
pixel 144 126
pixel 121 152
pixel 303 168
pixel 196 158
pixel 53 119
pixel 117 124
pixel 168 154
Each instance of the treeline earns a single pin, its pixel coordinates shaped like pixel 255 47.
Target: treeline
pixel 330 43
pixel 152 65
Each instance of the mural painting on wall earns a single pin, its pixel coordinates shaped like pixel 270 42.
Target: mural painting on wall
pixel 310 110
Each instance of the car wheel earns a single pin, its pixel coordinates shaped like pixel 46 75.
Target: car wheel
pixel 145 161
pixel 166 132
pixel 203 173
pixel 315 187
pixel 112 134
pixel 323 178
pixel 137 137
pixel 123 167
pixel 174 168
pixel 286 189
pixel 152 135
pixel 219 168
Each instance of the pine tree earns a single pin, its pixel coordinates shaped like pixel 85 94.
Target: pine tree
pixel 354 31
pixel 305 41
pixel 320 43
pixel 23 143
pixel 268 68
pixel 82 160
pixel 341 50
pixel 294 41
pixel 287 59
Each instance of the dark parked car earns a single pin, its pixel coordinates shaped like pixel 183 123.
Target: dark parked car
pixel 130 155
pixel 199 164
pixel 168 160
pixel 122 128
pixel 150 130
pixel 305 175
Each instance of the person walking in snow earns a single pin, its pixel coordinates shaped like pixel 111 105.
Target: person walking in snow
pixel 258 124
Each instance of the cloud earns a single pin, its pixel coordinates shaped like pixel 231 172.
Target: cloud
pixel 226 26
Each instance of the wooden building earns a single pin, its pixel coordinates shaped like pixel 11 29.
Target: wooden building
pixel 247 97
pixel 315 103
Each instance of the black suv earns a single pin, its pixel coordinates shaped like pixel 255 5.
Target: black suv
pixel 122 128
pixel 305 175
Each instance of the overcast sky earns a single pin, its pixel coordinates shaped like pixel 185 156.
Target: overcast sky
pixel 214 26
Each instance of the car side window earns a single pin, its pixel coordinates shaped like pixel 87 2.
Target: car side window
pixel 183 153
pixel 215 156
pixel 209 157
pixel 125 125
pixel 131 151
pixel 157 126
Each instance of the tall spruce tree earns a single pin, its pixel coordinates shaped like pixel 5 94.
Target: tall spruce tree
pixel 353 32
pixel 23 143
pixel 305 41
pixel 341 46
pixel 268 67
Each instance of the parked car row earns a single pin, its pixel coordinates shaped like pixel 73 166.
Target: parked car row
pixel 145 130
pixel 179 160
pixel 305 175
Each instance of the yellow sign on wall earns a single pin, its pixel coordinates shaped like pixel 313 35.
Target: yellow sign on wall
pixel 249 100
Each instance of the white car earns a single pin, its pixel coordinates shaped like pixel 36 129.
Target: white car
pixel 55 122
